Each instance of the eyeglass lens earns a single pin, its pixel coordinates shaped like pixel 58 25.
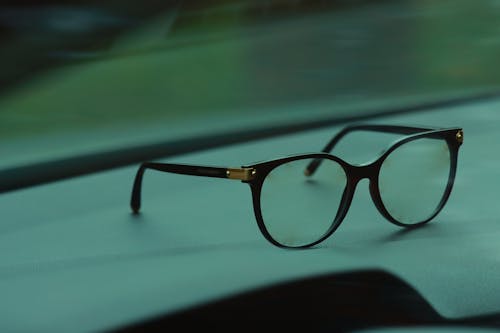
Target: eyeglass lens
pixel 298 210
pixel 413 179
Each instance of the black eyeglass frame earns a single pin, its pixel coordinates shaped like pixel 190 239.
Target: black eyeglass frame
pixel 255 174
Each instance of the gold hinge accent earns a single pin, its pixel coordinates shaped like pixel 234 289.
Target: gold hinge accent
pixel 460 136
pixel 244 174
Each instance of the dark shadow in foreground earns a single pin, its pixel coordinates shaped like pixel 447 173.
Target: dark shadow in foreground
pixel 334 303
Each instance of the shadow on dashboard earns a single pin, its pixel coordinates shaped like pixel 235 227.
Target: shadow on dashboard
pixel 335 302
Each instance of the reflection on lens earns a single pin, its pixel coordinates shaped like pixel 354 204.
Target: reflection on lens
pixel 413 179
pixel 299 210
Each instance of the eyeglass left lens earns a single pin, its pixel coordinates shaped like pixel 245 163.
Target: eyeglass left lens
pixel 414 178
pixel 299 210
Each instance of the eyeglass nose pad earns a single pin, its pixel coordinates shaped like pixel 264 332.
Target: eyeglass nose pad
pixel 345 203
pixel 377 199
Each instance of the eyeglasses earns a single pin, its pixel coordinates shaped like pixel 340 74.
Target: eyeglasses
pixel 301 200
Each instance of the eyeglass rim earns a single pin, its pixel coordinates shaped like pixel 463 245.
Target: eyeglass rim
pixel 453 147
pixel 262 170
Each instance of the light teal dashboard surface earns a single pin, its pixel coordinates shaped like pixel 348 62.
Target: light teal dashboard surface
pixel 74 258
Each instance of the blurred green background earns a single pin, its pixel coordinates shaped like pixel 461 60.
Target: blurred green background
pixel 84 76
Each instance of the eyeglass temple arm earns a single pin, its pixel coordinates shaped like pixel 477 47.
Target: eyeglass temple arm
pixel 406 130
pixel 243 174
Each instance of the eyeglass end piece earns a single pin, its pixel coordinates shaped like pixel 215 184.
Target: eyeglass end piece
pixel 460 136
pixel 244 174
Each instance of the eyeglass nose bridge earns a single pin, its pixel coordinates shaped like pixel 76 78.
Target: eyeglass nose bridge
pixel 359 172
pixel 355 173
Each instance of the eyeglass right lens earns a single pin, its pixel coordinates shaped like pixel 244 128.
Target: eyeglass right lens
pixel 299 210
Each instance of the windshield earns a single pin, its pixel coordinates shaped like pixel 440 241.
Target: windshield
pixel 83 77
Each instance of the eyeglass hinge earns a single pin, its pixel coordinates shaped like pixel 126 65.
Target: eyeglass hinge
pixel 460 136
pixel 244 174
